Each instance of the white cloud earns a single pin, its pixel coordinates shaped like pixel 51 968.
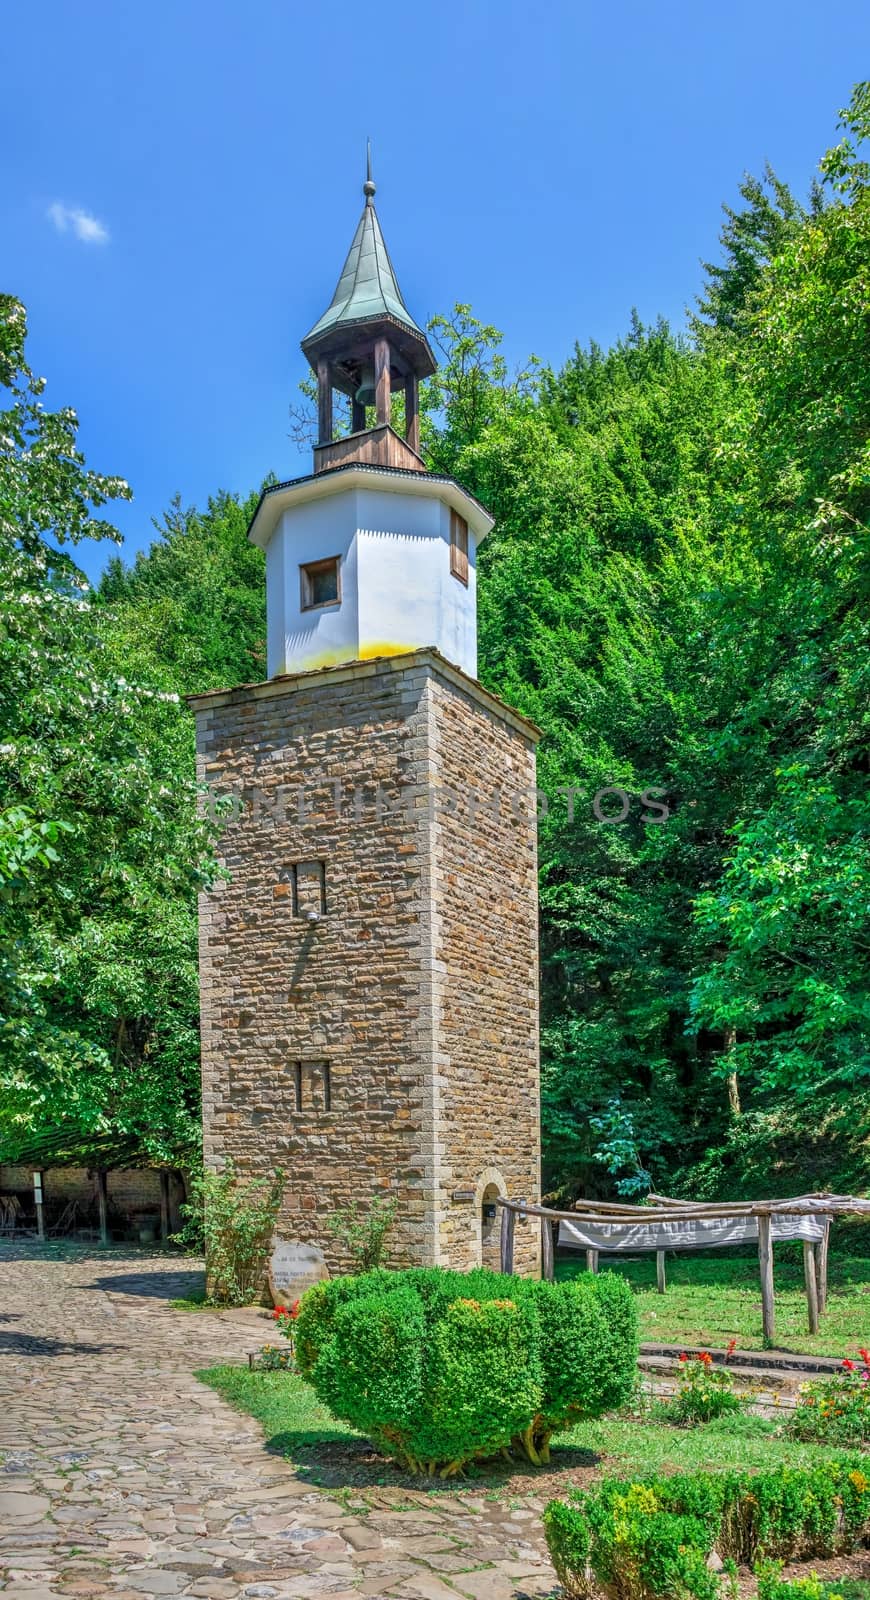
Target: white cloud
pixel 87 228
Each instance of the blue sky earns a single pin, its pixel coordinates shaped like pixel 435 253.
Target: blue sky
pixel 554 165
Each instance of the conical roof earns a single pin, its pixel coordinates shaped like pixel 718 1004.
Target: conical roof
pixel 368 289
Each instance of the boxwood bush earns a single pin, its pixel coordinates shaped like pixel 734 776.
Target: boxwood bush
pixel 651 1539
pixel 439 1368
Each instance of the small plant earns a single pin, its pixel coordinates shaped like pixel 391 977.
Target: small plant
pixel 232 1221
pixel 835 1410
pixel 274 1358
pixel 286 1316
pixel 705 1391
pixel 364 1236
pixel 772 1586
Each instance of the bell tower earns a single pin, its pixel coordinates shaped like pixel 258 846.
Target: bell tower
pixel 370 555
pixel 369 979
pixel 368 347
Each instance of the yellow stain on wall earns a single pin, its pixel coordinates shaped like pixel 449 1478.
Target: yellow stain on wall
pixel 340 657
pixel 383 647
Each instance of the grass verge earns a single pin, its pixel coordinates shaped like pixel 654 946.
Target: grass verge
pixel 711 1299
pixel 296 1426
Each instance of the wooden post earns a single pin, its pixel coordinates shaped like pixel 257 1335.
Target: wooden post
pixel 324 402
pixel 661 1278
pixel 38 1200
pixel 812 1287
pixel 822 1266
pixel 548 1267
pixel 765 1262
pixel 382 381
pixel 591 1260
pixel 357 417
pixel 103 1203
pixel 508 1218
pixel 164 1203
pixel 412 411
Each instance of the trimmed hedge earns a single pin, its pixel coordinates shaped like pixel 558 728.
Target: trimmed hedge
pixel 651 1539
pixel 439 1368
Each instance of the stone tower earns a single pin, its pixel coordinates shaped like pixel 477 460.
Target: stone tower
pixel 369 966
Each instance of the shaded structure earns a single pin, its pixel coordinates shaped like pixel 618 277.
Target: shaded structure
pixel 92 1186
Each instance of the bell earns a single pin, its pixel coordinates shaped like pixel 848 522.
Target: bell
pixel 365 394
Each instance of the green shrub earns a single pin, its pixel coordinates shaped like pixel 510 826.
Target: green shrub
pixel 441 1367
pixel 651 1539
pixel 232 1220
pixel 364 1236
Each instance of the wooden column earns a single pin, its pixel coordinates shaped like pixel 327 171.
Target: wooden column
pixel 357 416
pixel 38 1198
pixel 812 1287
pixel 822 1265
pixel 412 411
pixel 103 1203
pixel 382 381
pixel 591 1260
pixel 765 1263
pixel 164 1203
pixel 661 1276
pixel 324 403
pixel 548 1265
pixel 508 1219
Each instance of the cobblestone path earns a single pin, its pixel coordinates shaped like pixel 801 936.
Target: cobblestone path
pixel 121 1475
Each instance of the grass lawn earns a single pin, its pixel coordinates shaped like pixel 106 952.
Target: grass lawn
pixel 713 1298
pixel 298 1427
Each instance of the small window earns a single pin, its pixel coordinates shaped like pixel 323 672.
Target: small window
pixel 321 583
pixel 312 1086
pixel 307 881
pixel 459 547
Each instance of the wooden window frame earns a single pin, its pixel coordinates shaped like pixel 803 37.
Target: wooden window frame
pixel 307 569
pixel 459 548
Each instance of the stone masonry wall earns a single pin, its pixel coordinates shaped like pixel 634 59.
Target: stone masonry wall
pixel 487 939
pixel 325 956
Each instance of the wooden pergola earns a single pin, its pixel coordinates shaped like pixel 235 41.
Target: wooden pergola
pixel 657 1220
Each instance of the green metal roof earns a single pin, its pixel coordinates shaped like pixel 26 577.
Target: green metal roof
pixel 367 289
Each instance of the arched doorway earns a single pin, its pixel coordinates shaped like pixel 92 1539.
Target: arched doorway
pixel 487 1216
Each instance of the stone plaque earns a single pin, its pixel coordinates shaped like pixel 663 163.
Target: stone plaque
pixel 293 1267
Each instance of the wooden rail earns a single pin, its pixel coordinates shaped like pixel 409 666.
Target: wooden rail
pixel 661 1209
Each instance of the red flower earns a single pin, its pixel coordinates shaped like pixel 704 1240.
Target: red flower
pixel 279 1311
pixel 705 1356
pixel 732 1346
pixel 865 1356
pixel 849 1366
pixel 294 1309
pixel 684 1357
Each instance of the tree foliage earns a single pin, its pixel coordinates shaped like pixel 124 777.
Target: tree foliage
pixel 676 591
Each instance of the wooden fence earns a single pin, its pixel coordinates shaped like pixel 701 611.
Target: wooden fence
pixel 660 1209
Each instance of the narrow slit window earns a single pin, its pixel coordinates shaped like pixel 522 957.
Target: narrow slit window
pixel 459 547
pixel 297 1083
pixel 320 583
pixel 308 884
pixel 327 1087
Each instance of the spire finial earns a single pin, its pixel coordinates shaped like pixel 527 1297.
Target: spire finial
pixel 368 186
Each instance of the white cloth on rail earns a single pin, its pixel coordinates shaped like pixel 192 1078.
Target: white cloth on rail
pixel 702 1233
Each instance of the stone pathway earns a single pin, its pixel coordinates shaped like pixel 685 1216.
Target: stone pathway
pixel 121 1475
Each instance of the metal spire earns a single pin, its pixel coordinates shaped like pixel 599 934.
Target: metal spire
pixel 368 186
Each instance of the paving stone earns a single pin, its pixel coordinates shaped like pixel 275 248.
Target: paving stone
pixel 129 1478
pixel 24 1507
